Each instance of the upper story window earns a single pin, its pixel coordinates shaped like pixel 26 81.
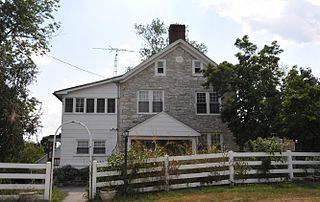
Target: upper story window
pixel 68 105
pixel 79 104
pixel 197 67
pixel 150 101
pixel 90 105
pixel 208 103
pixel 99 147
pixel 111 105
pixel 101 105
pixel 160 68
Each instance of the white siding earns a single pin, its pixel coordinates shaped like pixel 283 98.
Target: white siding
pixel 100 126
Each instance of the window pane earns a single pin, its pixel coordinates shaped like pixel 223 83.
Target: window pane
pixel 68 105
pixel 90 105
pixel 214 104
pixel 100 105
pixel 201 103
pixel 157 96
pixel 156 106
pixel 83 147
pixel 143 95
pixel 160 64
pixel 79 104
pixel 111 105
pixel 99 147
pixel 197 70
pixel 160 70
pixel 143 107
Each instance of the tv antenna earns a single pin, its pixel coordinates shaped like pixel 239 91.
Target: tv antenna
pixel 110 49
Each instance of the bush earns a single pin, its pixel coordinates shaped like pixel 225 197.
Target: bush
pixel 69 175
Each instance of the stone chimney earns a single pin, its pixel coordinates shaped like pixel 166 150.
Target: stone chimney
pixel 176 32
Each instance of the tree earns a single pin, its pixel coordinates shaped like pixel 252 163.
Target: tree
pixel 300 109
pixel 250 90
pixel 25 28
pixel 30 153
pixel 156 38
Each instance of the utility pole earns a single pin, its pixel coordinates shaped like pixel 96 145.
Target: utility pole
pixel 110 49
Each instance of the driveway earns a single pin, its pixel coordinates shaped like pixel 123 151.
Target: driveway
pixel 74 194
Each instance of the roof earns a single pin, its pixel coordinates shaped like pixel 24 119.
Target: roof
pixel 162 125
pixel 122 78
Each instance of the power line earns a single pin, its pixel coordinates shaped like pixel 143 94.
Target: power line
pixel 79 68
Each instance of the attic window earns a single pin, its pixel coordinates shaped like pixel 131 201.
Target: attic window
pixel 160 68
pixel 197 66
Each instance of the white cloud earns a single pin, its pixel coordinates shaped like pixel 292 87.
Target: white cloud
pixel 296 21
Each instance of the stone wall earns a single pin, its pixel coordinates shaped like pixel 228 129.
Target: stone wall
pixel 180 89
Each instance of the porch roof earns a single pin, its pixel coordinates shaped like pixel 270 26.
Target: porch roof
pixel 162 125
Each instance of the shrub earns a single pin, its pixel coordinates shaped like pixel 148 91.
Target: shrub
pixel 66 174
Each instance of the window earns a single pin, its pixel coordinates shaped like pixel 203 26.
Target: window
pixel 101 105
pixel 111 105
pixel 143 101
pixel 79 104
pixel 208 103
pixel 90 105
pixel 196 67
pixel 68 105
pixel 215 139
pixel 160 68
pixel 83 147
pixel 201 103
pixel 150 101
pixel 99 147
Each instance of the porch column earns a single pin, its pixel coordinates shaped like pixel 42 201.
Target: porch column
pixel 194 145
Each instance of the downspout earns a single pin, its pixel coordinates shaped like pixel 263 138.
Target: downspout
pixel 118 116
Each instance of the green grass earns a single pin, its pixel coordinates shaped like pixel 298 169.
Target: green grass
pixel 58 195
pixel 254 192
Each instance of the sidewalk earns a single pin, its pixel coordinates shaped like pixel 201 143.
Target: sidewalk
pixel 75 194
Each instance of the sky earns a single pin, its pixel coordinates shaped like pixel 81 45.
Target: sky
pixel 89 24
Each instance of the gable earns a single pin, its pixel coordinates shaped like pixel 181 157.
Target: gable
pixel 162 125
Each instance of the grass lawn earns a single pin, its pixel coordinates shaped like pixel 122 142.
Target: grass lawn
pixel 293 192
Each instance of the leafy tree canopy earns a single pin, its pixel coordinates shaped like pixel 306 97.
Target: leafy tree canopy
pixel 252 89
pixel 300 109
pixel 25 28
pixel 156 38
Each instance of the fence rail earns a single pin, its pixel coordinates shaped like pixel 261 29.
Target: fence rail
pixel 176 172
pixel 12 174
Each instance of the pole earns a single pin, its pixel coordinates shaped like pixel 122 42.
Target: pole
pixel 125 164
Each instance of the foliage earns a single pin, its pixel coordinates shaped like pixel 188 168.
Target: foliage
pixel 70 175
pixel 251 88
pixel 300 112
pixel 25 27
pixel 30 153
pixel 155 37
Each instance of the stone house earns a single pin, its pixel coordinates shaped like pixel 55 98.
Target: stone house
pixel 160 100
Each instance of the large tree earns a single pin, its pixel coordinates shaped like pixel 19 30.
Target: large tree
pixel 250 90
pixel 300 109
pixel 25 28
pixel 156 38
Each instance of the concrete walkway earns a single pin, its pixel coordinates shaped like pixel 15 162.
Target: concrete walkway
pixel 75 194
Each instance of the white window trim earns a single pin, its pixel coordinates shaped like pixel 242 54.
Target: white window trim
pixel 86 155
pixel 164 68
pixel 193 68
pixel 207 105
pixel 150 96
pixel 85 106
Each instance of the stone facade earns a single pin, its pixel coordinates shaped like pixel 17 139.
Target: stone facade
pixel 180 88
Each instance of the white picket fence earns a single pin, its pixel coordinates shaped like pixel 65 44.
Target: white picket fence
pixel 44 176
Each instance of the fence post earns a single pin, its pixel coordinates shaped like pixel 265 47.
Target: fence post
pixel 290 166
pixel 47 182
pixel 166 172
pixel 94 178
pixel 231 168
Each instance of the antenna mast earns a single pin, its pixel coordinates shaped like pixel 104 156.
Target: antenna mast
pixel 110 49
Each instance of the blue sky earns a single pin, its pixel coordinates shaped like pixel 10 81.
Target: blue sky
pixel 85 25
